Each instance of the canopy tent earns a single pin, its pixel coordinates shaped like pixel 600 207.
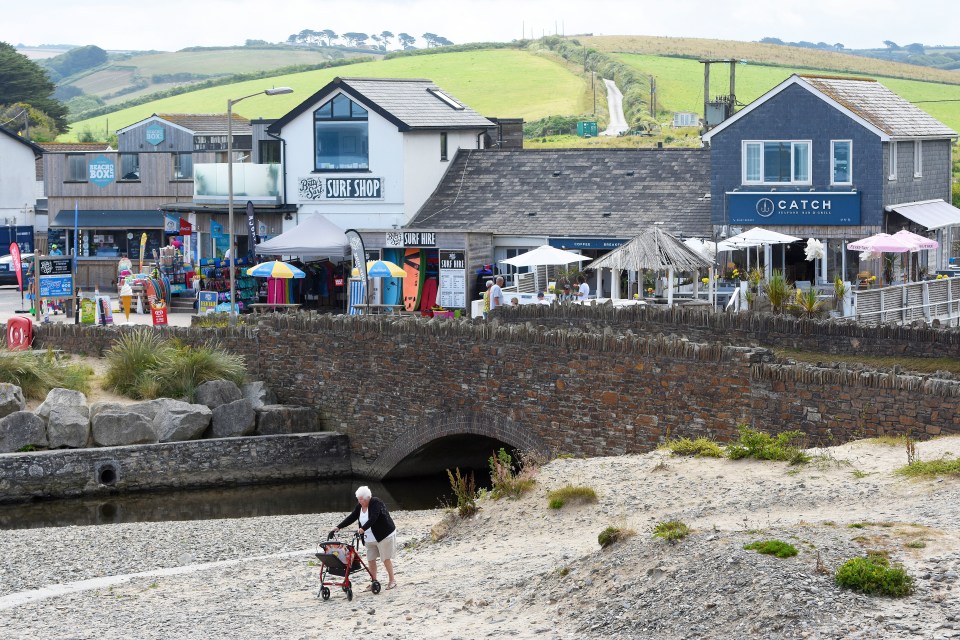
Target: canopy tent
pixel 656 250
pixel 314 237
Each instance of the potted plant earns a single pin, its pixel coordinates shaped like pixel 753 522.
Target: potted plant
pixel 839 296
pixel 777 290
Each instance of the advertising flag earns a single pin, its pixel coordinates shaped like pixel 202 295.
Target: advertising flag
pixel 15 263
pixel 143 249
pixel 251 229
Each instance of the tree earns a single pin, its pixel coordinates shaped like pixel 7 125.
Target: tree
pixel 890 44
pixel 22 80
pixel 387 36
pixel 430 39
pixel 443 42
pixel 42 126
pixel 838 46
pixel 255 43
pixel 406 40
pixel 74 61
pixel 330 35
pixel 915 48
pixel 358 39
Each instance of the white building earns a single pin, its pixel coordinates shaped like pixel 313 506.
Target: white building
pixel 18 181
pixel 368 152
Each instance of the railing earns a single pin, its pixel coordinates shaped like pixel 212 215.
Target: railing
pixel 927 300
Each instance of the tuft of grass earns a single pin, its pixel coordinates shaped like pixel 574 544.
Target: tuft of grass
pixel 858 474
pixel 701 447
pixel 465 490
pixel 612 535
pixel 559 497
pixel 889 441
pixel 36 373
pixel 931 468
pixel 510 480
pixel 763 446
pixel 776 548
pixel 186 368
pixel 873 575
pixel 671 531
pixel 132 358
pixel 916 544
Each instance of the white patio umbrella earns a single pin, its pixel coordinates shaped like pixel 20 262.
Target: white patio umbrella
pixel 757 237
pixel 544 255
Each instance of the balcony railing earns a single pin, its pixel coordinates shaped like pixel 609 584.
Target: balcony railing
pixel 259 183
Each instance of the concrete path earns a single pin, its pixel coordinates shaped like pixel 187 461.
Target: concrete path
pixel 618 121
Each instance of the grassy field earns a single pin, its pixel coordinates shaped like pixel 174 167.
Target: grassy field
pixel 502 83
pixel 680 85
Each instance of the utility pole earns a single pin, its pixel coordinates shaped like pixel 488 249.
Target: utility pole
pixel 593 84
pixel 26 124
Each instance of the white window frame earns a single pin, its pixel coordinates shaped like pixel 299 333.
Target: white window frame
pixel 918 158
pixel 892 169
pixel 833 159
pixel 743 162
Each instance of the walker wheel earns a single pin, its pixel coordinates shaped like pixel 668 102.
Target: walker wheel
pixel 325 593
pixel 349 594
pixel 376 586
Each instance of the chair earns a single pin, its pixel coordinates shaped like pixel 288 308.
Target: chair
pixel 802 285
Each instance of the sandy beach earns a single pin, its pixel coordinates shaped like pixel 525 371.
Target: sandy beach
pixel 520 569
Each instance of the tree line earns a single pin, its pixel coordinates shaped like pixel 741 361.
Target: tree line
pixel 382 40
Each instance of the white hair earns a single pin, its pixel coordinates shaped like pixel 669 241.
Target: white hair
pixel 364 492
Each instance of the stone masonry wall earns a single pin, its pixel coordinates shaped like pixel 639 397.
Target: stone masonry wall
pixel 176 465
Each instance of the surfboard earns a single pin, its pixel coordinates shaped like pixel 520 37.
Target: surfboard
pixel 393 287
pixel 412 282
pixel 428 297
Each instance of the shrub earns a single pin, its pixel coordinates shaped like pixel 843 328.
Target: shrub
pixel 36 373
pixel 671 531
pixel 569 493
pixel 185 368
pixel 465 490
pixel 507 481
pixel 776 548
pixel 763 446
pixel 612 535
pixel 777 290
pixel 873 575
pixel 133 357
pixel 701 448
pixel 931 468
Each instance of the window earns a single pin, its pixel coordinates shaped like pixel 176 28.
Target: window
pixel 269 152
pixel 76 168
pixel 443 146
pixel 892 172
pixel 183 166
pixel 776 162
pixel 840 158
pixel 918 159
pixel 340 133
pixel 129 166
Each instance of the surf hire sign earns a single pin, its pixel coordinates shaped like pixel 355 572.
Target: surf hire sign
pixel 793 207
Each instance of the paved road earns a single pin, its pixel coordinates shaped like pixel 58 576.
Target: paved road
pixel 10 303
pixel 618 121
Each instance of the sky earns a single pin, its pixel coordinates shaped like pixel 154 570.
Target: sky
pixel 175 24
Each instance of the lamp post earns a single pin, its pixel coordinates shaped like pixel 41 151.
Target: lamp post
pixel 232 249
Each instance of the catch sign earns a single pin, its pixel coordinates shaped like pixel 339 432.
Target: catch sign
pixel 101 171
pixel 794 207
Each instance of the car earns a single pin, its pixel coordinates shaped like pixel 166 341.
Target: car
pixel 7 274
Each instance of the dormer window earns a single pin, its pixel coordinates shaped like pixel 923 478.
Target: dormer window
pixel 340 136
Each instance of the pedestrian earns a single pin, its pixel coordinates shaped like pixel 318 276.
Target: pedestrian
pixel 486 299
pixel 496 294
pixel 378 531
pixel 55 250
pixel 583 292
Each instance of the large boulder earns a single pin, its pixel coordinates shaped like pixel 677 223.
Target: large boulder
pixel 150 408
pixel 67 426
pixel 259 394
pixel 217 392
pixel 11 399
pixel 21 429
pixel 233 419
pixel 63 397
pixel 99 407
pixel 121 428
pixel 275 419
pixel 178 421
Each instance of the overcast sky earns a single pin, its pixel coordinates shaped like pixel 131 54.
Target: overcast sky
pixel 175 24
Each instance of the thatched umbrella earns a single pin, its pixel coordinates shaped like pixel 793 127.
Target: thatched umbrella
pixel 653 249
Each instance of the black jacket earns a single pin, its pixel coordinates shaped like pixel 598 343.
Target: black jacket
pixel 377 519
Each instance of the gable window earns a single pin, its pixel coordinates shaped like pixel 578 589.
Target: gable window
pixel 340 136
pixel 776 162
pixel 892 171
pixel 76 168
pixel 443 146
pixel 841 154
pixel 918 159
pixel 129 166
pixel 183 166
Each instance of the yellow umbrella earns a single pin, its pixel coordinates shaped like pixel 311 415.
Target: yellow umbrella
pixel 382 269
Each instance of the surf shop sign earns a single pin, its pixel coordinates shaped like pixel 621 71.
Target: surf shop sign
pixel 313 188
pixel 411 239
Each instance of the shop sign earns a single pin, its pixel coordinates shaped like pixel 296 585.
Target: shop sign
pixel 793 207
pixel 315 188
pixel 411 239
pixel 154 134
pixel 101 171
pixel 453 280
pixel 586 243
pixel 207 303
pixel 186 229
pixel 56 277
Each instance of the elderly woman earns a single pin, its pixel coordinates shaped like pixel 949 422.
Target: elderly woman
pixel 378 531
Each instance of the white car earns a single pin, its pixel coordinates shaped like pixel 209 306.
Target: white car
pixel 7 274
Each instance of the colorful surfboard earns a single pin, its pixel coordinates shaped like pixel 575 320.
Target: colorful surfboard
pixel 393 287
pixel 413 282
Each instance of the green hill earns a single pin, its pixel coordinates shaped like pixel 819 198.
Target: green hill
pixel 500 82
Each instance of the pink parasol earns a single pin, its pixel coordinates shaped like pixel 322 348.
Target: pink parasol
pixel 883 243
pixel 922 242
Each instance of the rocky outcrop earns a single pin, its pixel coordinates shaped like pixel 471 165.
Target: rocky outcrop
pixel 217 392
pixel 121 428
pixel 22 429
pixel 276 419
pixel 233 419
pixel 177 421
pixel 11 399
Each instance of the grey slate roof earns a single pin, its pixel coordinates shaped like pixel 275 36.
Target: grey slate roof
pixel 881 107
pixel 409 103
pixel 208 123
pixel 600 193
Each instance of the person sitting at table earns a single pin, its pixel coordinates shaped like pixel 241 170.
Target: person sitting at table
pixel 541 299
pixel 515 302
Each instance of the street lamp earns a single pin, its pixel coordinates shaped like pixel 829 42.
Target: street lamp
pixel 232 248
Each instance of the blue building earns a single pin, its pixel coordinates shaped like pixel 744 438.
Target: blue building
pixel 836 159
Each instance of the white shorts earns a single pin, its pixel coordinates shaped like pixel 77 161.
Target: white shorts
pixel 384 549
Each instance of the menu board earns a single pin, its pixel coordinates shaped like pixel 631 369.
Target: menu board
pixel 453 280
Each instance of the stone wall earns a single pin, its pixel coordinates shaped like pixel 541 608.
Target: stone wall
pixel 200 463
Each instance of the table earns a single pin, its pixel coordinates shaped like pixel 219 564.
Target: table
pixel 260 307
pixel 378 308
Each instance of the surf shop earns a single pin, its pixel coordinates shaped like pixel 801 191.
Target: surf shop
pixel 434 280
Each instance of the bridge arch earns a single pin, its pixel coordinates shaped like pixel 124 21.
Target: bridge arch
pixel 484 424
